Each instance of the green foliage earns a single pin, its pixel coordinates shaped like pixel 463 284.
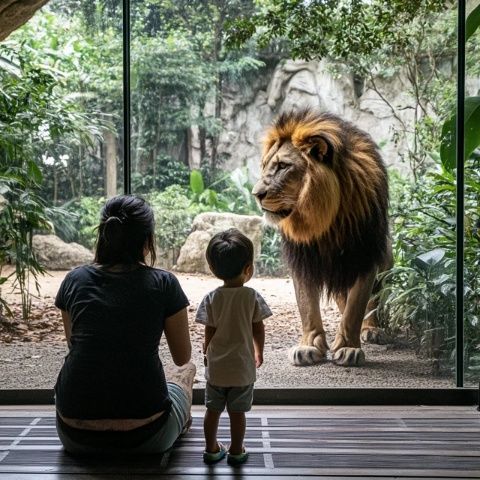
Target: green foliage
pixel 319 28
pixel 77 220
pixel 22 211
pixel 472 113
pixel 52 53
pixel 473 22
pixel 35 117
pixel 174 214
pixel 472 133
pixel 270 261
pixel 419 293
pixel 162 173
pixel 231 192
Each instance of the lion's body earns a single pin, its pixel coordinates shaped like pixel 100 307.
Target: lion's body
pixel 325 186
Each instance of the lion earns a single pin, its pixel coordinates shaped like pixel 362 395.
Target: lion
pixel 324 185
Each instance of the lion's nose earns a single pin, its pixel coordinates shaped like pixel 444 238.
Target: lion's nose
pixel 260 192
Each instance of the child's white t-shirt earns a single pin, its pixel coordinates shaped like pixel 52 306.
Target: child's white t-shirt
pixel 230 353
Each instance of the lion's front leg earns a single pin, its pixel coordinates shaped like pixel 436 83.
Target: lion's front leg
pixel 346 347
pixel 313 346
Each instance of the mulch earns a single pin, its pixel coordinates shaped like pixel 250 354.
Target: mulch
pixel 44 323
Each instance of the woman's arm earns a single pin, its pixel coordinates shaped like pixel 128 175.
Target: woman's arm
pixel 67 325
pixel 178 337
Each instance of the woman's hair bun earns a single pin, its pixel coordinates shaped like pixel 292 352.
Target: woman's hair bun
pixel 113 219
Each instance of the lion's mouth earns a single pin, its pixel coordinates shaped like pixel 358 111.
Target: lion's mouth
pixel 279 213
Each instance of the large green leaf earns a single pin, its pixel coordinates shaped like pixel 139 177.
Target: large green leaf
pixel 472 133
pixel 196 182
pixel 34 172
pixel 473 21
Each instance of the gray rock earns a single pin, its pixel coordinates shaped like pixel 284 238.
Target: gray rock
pixel 54 254
pixel 192 254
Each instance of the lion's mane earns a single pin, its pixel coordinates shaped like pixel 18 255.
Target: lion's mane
pixel 339 229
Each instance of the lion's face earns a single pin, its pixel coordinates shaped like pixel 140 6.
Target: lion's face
pixel 278 190
pixel 299 189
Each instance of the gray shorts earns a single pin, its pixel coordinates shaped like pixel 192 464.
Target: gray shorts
pixel 236 399
pixel 160 441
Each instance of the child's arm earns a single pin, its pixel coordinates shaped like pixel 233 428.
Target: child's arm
pixel 209 333
pixel 258 329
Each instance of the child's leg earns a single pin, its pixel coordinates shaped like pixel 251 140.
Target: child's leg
pixel 210 427
pixel 237 431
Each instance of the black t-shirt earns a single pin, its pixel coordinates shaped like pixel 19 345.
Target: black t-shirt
pixel 113 369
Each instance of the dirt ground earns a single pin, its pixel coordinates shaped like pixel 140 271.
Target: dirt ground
pixel 31 355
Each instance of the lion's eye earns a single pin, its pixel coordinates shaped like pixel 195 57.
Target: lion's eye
pixel 282 165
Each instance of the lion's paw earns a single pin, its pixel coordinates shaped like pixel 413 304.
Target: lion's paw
pixel 305 355
pixel 374 335
pixel 349 357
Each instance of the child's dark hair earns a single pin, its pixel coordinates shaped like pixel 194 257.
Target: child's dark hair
pixel 228 253
pixel 126 228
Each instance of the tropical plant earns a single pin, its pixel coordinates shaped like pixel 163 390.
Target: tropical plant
pixel 174 215
pixel 421 289
pixel 35 116
pixel 230 192
pixel 270 261
pixel 22 212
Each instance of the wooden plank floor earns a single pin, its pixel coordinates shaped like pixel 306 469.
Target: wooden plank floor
pixel 284 442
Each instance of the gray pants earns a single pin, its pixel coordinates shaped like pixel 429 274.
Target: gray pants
pixel 93 442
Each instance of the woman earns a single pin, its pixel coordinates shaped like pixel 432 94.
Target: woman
pixel 111 394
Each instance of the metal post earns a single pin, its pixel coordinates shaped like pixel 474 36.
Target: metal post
pixel 127 184
pixel 460 154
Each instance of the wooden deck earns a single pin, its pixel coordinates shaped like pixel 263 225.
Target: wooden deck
pixel 284 442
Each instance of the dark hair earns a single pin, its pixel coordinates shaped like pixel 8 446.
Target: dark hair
pixel 126 227
pixel 228 253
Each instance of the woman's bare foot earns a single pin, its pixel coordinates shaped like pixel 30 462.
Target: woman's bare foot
pixel 183 377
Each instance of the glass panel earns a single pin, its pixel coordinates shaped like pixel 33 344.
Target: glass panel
pixel 472 193
pixel 61 155
pixel 199 114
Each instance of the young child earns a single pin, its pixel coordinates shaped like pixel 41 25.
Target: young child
pixel 234 336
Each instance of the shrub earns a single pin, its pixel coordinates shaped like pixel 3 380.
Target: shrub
pixel 77 220
pixel 271 261
pixel 174 214
pixel 419 293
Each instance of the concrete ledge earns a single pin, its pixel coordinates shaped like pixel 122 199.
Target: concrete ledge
pixel 301 396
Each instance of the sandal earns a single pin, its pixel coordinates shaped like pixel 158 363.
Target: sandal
pixel 209 458
pixel 237 459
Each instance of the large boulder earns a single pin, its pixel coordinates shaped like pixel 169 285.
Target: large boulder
pixel 205 226
pixel 54 254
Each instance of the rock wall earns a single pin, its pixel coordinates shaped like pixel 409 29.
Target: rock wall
pixel 249 108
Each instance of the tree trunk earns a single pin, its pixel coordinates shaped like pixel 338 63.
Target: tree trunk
pixel 110 164
pixel 14 13
pixel 217 52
